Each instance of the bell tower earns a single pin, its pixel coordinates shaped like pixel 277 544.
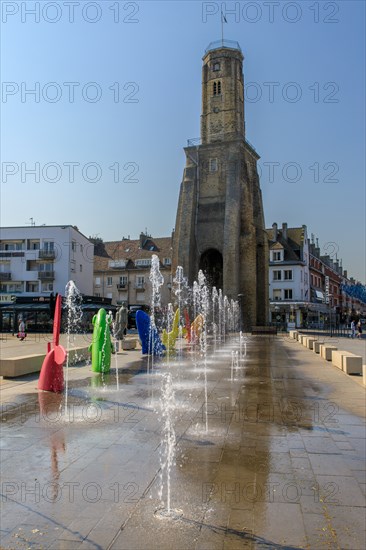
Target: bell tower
pixel 222 95
pixel 220 223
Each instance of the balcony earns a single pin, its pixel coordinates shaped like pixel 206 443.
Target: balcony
pixel 46 275
pixel 47 254
pixel 122 286
pixel 140 287
pixel 5 276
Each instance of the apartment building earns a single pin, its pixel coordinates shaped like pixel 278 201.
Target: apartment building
pixel 122 269
pixel 36 261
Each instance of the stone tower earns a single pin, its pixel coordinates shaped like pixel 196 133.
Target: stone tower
pixel 220 223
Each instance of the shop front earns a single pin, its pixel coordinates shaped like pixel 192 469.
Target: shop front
pixel 288 315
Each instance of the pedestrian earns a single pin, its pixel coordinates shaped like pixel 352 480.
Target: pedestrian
pixel 353 329
pixel 359 330
pixel 21 330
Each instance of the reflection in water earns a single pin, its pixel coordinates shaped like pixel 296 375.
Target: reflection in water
pixel 50 407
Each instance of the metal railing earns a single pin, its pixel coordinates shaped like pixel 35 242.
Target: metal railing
pixel 47 254
pixel 216 44
pixel 121 286
pixel 195 142
pixel 46 275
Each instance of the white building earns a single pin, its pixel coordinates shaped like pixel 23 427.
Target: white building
pixel 38 260
pixel 289 279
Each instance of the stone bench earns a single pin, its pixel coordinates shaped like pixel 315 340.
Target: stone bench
pixel 337 358
pixel 352 364
pixel 27 364
pixel 310 342
pixel 293 334
pixel 326 351
pixel 316 346
pixel 128 344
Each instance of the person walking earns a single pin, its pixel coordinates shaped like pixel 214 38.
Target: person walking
pixel 353 329
pixel 359 330
pixel 21 328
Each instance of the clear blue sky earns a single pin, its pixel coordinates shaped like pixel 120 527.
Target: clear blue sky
pixel 161 55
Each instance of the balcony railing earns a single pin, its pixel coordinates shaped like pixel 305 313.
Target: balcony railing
pixel 140 286
pixel 121 286
pixel 47 254
pixel 5 276
pixel 223 43
pixel 195 142
pixel 46 275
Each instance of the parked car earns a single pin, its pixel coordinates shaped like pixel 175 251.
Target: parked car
pixel 131 317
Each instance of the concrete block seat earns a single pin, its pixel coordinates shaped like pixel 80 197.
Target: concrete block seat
pixel 316 346
pixel 12 367
pixel 310 343
pixel 350 363
pixel 326 351
pixel 337 357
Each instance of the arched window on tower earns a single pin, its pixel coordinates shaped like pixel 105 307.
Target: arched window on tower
pixel 217 87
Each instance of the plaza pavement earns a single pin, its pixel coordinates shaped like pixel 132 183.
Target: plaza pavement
pixel 277 462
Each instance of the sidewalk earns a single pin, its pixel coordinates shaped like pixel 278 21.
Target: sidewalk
pixel 279 464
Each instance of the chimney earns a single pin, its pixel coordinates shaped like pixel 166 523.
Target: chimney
pixel 275 232
pixel 142 240
pixel 345 274
pixel 284 231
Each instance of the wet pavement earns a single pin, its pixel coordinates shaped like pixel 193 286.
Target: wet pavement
pixel 273 458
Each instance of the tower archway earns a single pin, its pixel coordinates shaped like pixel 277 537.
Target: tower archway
pixel 211 264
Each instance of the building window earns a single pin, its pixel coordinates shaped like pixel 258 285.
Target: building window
pixel 97 281
pixel 73 246
pixel 213 165
pixel 48 246
pixel 217 87
pixel 109 295
pixel 73 266
pixel 81 267
pixel 277 276
pixel 276 256
pixel 32 287
pixel 143 262
pixel 216 66
pixel 109 281
pixel 140 282
pixel 167 261
pixel 277 294
pixel 288 293
pixel 288 274
pixel 123 280
pixel 47 287
pixel 97 294
pixel 46 267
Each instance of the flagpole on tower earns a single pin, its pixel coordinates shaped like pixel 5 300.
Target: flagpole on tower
pixel 223 19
